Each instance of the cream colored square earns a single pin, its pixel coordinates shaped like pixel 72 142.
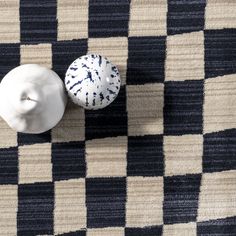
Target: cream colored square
pixel 115 49
pixel 144 201
pixel 10 21
pixel 106 232
pixel 72 125
pixel 185 57
pixel 106 157
pixel 8 209
pixel 189 229
pixel 37 54
pixel 217 196
pixel 183 154
pixel 70 209
pixel 35 163
pixel 145 109
pixel 219 104
pixel 72 16
pixel 147 18
pixel 220 14
pixel 8 137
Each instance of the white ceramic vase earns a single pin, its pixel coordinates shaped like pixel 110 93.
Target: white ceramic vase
pixel 32 99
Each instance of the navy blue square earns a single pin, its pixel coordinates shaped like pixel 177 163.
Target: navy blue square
pixel 222 227
pixel 9 57
pixel 219 151
pixel 220 56
pixel 185 16
pixel 108 18
pixel 65 52
pixel 68 160
pixel 105 200
pixel 183 107
pixel 26 139
pixel 108 122
pixel 9 165
pixel 181 198
pixel 145 156
pixel 38 21
pixel 35 201
pixel 146 60
pixel 147 231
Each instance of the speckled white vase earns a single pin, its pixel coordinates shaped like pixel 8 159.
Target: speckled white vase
pixel 92 82
pixel 32 99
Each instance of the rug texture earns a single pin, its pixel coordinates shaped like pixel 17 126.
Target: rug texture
pixel 161 160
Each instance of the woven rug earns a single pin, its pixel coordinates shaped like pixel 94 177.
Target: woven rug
pixel 161 160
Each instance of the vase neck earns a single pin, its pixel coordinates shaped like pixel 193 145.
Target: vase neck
pixel 26 98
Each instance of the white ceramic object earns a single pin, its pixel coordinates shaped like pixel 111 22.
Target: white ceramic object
pixel 92 82
pixel 32 99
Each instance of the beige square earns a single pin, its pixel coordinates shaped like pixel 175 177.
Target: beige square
pixel 10 21
pixel 185 57
pixel 217 196
pixel 144 201
pixel 70 209
pixel 219 103
pixel 35 163
pixel 189 229
pixel 147 18
pixel 72 16
pixel 183 154
pixel 8 209
pixel 115 49
pixel 106 232
pixel 106 157
pixel 8 137
pixel 37 54
pixel 72 125
pixel 145 109
pixel 220 14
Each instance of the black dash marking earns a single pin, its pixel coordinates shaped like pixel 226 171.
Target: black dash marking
pixel 111 92
pixel 89 76
pixel 79 90
pixel 101 97
pixel 93 102
pixel 100 60
pixel 84 66
pixel 68 82
pixel 73 68
pixel 108 98
pixel 86 100
pixel 79 82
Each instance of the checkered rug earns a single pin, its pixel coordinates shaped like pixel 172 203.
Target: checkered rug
pixel 161 160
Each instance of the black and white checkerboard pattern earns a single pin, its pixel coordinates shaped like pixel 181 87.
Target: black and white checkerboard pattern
pixel 161 160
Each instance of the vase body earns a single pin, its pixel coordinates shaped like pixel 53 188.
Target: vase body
pixel 32 99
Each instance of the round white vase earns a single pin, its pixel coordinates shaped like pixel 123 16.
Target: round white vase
pixel 32 99
pixel 92 81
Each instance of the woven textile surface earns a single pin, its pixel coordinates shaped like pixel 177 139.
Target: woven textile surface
pixel 161 159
